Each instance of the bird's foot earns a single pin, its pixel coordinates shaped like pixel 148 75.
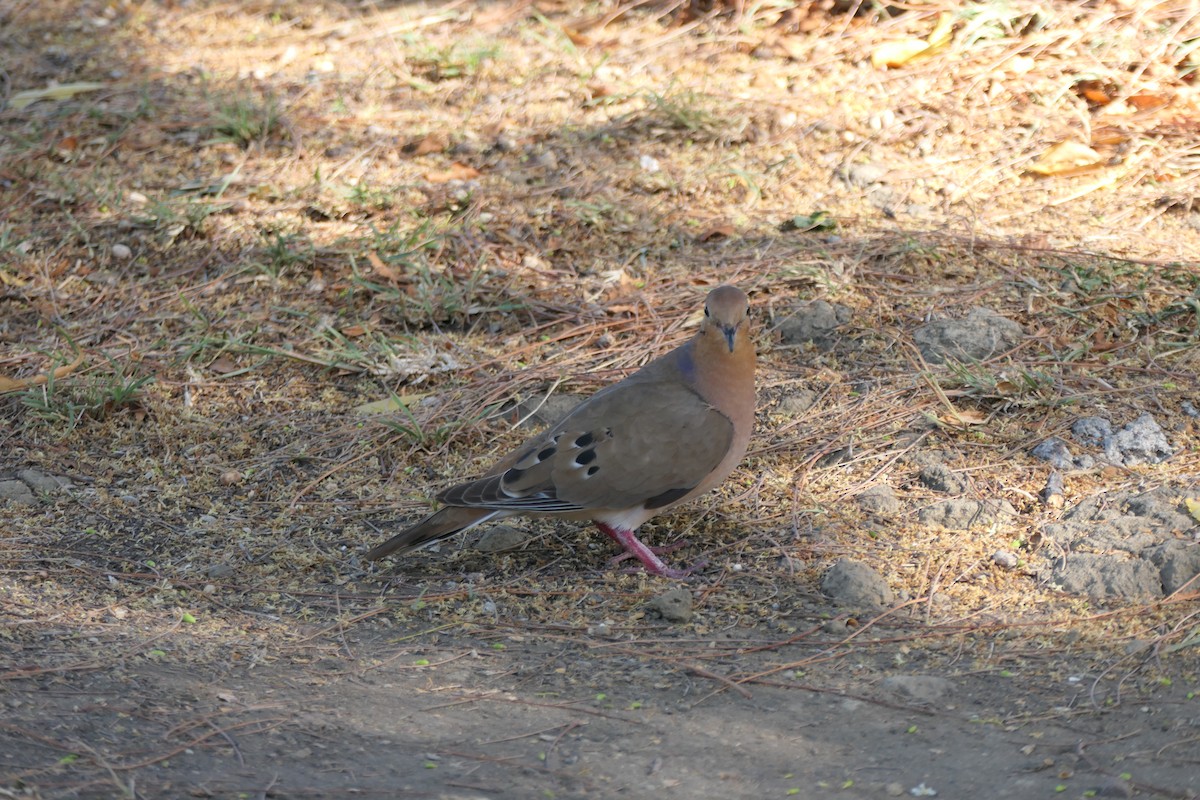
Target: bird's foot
pixel 649 556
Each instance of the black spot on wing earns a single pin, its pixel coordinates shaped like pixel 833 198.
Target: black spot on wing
pixel 592 471
pixel 513 475
pixel 666 498
pixel 585 440
pixel 586 457
pixel 547 453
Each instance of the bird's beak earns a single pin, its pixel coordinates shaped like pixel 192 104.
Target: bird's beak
pixel 730 332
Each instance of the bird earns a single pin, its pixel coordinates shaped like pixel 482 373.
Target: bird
pixel 664 435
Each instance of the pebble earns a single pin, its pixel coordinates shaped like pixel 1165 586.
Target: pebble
pixel 1005 559
pixel 673 605
pixel 122 252
pixel 499 539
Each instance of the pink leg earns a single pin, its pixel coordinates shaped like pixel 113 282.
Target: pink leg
pixel 658 551
pixel 634 547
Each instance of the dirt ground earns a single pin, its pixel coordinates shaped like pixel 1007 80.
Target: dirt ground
pixel 271 273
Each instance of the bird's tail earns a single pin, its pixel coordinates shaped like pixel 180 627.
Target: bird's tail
pixel 447 522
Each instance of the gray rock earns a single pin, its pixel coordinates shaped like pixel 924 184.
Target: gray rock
pixel 941 478
pixel 1005 559
pixel 797 402
pixel 17 492
pixel 814 322
pixel 1055 451
pixel 1188 408
pixel 673 605
pixel 962 513
pixel 879 499
pixel 1140 442
pixel 916 688
pixel 1107 576
pixel 861 176
pixel 981 334
pixel 43 483
pixel 1178 565
pixel 855 585
pixel 1092 430
pixel 500 538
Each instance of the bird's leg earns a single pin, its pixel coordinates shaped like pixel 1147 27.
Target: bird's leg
pixel 661 550
pixel 636 548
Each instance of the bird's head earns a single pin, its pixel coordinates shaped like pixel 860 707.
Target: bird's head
pixel 726 315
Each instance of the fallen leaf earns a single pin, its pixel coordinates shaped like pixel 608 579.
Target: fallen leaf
pixel 16 384
pixel 223 365
pixel 969 416
pixel 1193 507
pixel 431 143
pixel 456 172
pixel 389 404
pixel 353 331
pixel 898 53
pixel 578 39
pixel 64 91
pixel 1147 102
pixel 723 231
pixel 384 270
pixel 1066 158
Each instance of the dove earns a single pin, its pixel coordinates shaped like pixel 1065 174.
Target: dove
pixel 666 434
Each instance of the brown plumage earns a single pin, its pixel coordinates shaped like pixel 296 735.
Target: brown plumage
pixel 666 434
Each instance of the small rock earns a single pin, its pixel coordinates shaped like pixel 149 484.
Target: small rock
pixel 1092 430
pixel 673 605
pixel 1055 451
pixel 855 585
pixel 861 175
pixel 122 252
pixel 981 334
pixel 894 789
pixel 17 492
pixel 41 482
pixel 879 499
pixel 940 478
pixel 961 513
pixel 499 539
pixel 1104 576
pixel 1178 565
pixel 1005 559
pixel 1189 409
pixel 1112 786
pixel 1140 442
pixel 230 477
pixel 797 403
pixel 814 322
pixel 919 688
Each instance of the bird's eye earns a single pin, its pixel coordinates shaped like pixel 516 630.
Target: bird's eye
pixel 706 311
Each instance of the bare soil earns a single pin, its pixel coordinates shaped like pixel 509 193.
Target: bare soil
pixel 271 273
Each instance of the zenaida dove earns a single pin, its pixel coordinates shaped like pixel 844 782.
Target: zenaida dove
pixel 666 434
